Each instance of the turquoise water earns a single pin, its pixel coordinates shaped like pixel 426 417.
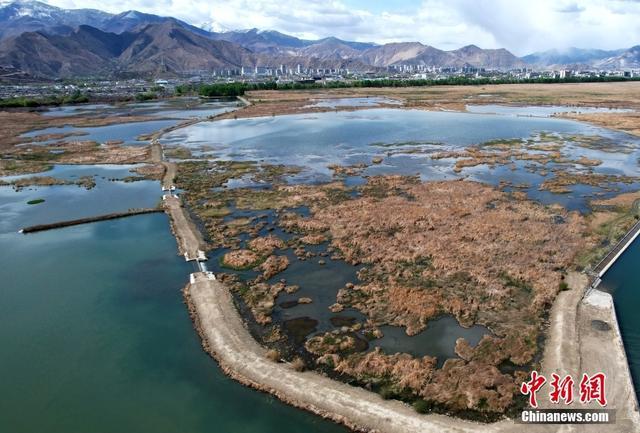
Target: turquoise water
pixel 95 336
pixel 64 202
pixel 622 280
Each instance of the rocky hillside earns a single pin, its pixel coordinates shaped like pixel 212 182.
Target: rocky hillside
pixel 569 56
pixel 42 40
pixel 164 47
pixel 20 16
pixel 627 59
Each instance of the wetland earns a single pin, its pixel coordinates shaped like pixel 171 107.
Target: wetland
pixel 396 249
pixel 390 231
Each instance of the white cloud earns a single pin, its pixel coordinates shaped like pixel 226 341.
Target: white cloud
pixel 520 26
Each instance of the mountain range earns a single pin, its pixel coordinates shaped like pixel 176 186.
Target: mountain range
pixel 45 41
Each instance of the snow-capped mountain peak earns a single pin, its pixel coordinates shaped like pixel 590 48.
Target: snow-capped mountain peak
pixel 214 27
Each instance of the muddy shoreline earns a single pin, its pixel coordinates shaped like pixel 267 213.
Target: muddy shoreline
pixel 424 422
pixel 224 301
pixel 455 98
pixel 230 371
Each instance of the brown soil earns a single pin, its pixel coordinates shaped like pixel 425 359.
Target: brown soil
pixel 628 122
pixel 613 95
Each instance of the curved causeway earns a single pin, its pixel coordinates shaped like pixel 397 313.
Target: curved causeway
pixel 226 338
pixel 573 347
pixel 241 357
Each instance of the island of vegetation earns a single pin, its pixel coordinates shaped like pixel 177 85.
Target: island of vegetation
pixel 415 250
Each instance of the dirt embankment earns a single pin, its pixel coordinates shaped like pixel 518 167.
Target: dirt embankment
pixel 189 238
pixel 583 337
pixel 225 337
pixel 244 359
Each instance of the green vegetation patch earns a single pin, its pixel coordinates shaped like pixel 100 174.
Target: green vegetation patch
pixel 23 102
pixel 215 212
pixel 146 96
pixel 179 152
pixel 237 89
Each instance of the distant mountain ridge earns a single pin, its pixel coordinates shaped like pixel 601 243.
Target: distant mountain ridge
pixel 17 17
pixel 163 48
pixel 39 39
pixel 587 58
pixel 627 59
pixel 569 56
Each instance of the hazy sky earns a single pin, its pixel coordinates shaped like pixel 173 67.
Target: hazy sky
pixel 519 25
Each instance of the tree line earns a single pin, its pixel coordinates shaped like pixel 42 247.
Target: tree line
pixel 74 98
pixel 239 88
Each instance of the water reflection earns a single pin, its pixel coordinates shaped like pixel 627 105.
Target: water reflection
pixel 438 339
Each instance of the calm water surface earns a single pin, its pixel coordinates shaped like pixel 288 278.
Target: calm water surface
pixel 126 132
pixel 438 339
pixel 539 111
pixel 64 202
pixel 405 138
pixel 171 111
pixel 371 102
pixel 622 280
pixel 177 108
pixel 95 335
